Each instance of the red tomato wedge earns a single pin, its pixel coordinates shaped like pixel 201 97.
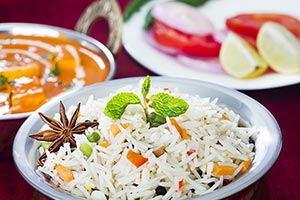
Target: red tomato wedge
pixel 187 43
pixel 249 24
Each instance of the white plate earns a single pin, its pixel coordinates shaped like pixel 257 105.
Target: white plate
pixel 217 11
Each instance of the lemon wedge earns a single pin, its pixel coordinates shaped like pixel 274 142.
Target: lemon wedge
pixel 239 59
pixel 279 47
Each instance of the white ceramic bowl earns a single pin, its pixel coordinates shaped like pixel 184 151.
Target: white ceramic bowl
pixel 267 143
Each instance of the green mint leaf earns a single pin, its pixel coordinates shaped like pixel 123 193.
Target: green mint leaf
pixel 116 106
pixel 146 86
pixel 3 79
pixel 168 105
pixel 155 119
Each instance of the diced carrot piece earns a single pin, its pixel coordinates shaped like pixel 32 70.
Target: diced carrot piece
pixel 114 129
pixel 136 159
pixel 245 166
pixel 104 144
pixel 160 151
pixel 180 185
pixel 64 172
pixel 184 134
pixel 147 100
pixel 220 170
pixel 167 90
pixel 190 152
pixel 181 131
pixel 125 125
pixel 225 117
pixel 174 123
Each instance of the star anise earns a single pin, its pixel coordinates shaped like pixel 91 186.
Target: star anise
pixel 62 132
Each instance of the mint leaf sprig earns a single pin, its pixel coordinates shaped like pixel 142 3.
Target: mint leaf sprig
pixel 116 106
pixel 164 105
pixel 167 105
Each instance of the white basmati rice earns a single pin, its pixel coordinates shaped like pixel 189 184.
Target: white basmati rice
pixel 108 174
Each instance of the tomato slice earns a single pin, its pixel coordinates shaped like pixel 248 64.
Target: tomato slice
pixel 249 24
pixel 187 43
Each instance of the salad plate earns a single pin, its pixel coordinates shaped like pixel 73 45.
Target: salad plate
pixel 136 44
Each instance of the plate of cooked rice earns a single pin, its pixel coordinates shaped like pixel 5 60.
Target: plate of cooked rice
pixel 147 138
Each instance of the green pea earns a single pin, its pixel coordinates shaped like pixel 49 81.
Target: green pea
pixel 45 144
pixel 86 149
pixel 93 137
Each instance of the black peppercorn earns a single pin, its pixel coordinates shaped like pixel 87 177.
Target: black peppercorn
pixel 160 190
pixel 211 184
pixel 200 172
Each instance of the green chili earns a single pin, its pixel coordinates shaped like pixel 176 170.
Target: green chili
pixel 133 7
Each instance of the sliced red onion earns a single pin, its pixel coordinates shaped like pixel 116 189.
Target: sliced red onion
pixel 183 17
pixel 204 64
pixel 220 35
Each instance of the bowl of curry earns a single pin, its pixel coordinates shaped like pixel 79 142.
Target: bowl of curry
pixel 39 63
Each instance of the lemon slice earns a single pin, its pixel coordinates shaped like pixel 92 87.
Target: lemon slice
pixel 279 47
pixel 239 59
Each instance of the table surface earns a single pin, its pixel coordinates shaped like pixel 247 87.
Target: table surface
pixel 282 181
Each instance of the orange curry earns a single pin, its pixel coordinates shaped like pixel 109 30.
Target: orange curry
pixel 33 69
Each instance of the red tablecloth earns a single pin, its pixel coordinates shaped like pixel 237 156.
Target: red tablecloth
pixel 282 181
